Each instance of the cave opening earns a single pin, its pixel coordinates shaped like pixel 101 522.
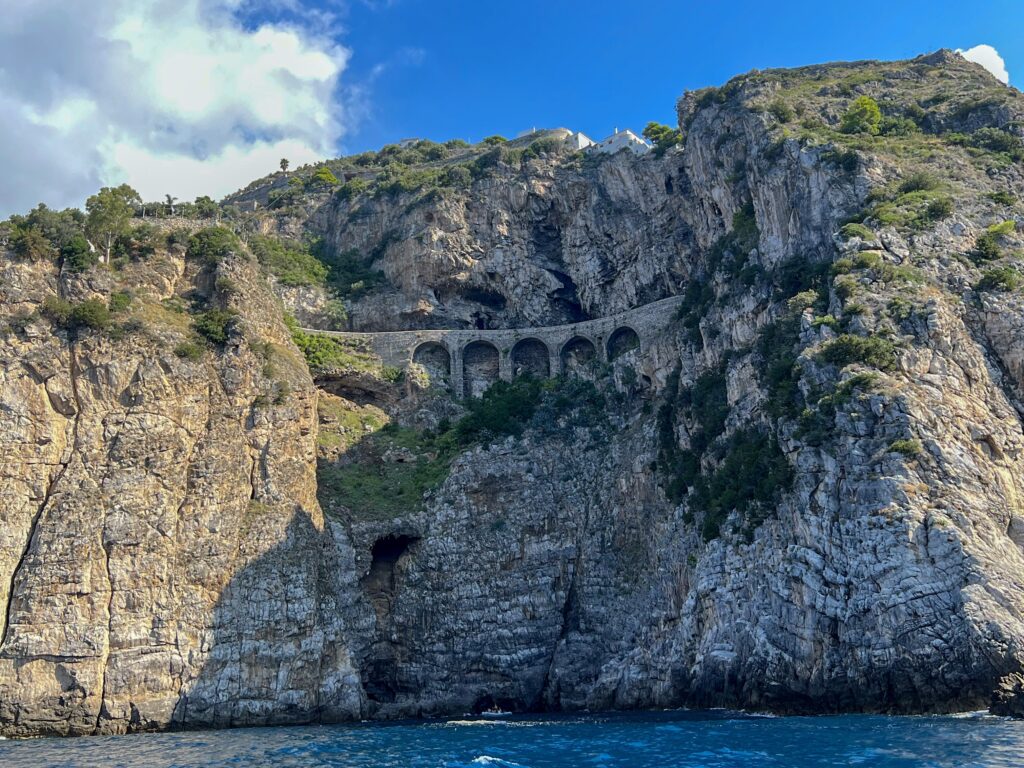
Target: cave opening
pixel 387 556
pixel 382 669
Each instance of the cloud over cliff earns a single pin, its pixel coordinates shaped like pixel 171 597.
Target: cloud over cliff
pixel 989 58
pixel 173 96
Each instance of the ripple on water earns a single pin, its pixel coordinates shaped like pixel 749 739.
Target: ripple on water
pixel 653 740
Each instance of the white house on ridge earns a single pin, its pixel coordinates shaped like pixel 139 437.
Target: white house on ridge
pixel 622 140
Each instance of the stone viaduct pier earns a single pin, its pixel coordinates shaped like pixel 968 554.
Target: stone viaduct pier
pixel 469 361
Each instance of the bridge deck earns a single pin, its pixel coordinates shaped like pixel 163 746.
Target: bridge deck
pixel 468 350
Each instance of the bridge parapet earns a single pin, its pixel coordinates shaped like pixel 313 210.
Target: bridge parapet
pixel 477 357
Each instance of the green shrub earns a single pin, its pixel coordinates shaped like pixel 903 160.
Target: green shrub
pixel 374 488
pixel 350 273
pixel 999 141
pixel 871 350
pixel 505 408
pixel 56 310
pixel 845 286
pixel 322 178
pixel 30 243
pixel 225 286
pixel 290 263
pixel 842 266
pixel 753 474
pixel 781 111
pixel 827 321
pixel 778 369
pixel 939 209
pixel 698 297
pixel 731 250
pixel 119 302
pixel 212 244
pixel 1000 279
pixel 919 181
pixel 863 116
pixel 987 247
pixel 1002 197
pixel 900 308
pixel 853 229
pixel 909 448
pixel 283 198
pixel 898 126
pixel 189 350
pixel 91 314
pixel 868 260
pixel 845 159
pixel 77 255
pixel 214 325
pixel 352 188
pixel 545 146
pixel 493 141
pixel 1003 228
pixel 663 137
pixel 328 352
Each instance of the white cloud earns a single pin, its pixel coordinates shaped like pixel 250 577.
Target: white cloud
pixel 172 96
pixel 989 58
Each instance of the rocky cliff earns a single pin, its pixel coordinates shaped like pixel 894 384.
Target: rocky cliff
pixel 806 494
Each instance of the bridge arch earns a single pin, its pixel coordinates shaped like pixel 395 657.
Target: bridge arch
pixel 623 339
pixel 578 355
pixel 531 356
pixel 480 367
pixel 436 360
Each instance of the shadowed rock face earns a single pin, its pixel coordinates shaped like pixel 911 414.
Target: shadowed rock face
pixel 164 561
pixel 162 545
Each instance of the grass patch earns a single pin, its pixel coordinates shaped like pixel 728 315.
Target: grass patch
pixel 853 229
pixel 394 467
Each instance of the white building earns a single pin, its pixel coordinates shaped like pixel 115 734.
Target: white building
pixel 578 140
pixel 622 140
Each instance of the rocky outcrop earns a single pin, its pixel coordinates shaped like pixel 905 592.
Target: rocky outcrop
pixel 803 492
pixel 161 534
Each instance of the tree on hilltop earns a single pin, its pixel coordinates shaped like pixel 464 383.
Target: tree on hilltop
pixel 662 136
pixel 110 212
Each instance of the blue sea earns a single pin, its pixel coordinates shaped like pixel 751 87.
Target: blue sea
pixel 691 739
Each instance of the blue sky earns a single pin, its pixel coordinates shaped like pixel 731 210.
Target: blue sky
pixel 199 97
pixel 469 69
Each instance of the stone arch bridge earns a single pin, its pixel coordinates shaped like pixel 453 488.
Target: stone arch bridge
pixel 469 361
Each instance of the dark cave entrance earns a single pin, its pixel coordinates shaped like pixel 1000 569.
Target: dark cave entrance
pixel 390 556
pixel 381 582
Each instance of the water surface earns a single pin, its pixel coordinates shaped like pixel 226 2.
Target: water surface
pixel 683 739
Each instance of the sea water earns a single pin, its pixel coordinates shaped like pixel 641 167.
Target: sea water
pixel 685 739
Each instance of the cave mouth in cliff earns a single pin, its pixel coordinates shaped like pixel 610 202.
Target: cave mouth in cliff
pixel 390 549
pixel 387 558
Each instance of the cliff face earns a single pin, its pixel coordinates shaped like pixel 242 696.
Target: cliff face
pixel 807 494
pixel 159 514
